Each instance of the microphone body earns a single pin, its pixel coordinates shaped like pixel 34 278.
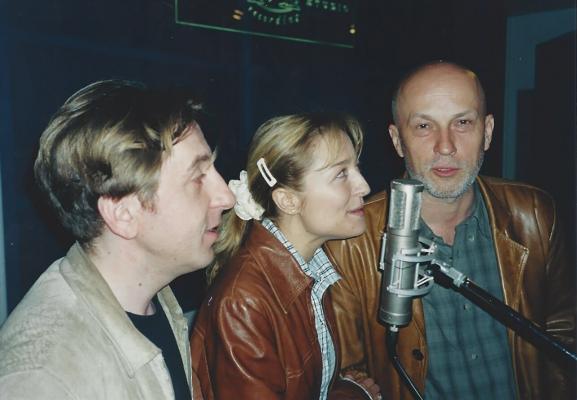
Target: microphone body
pixel 400 253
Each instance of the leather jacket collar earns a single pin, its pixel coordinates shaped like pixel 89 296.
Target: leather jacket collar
pixel 283 273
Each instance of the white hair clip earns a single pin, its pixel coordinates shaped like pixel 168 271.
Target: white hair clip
pixel 264 171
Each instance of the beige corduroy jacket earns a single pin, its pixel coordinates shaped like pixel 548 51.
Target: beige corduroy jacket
pixel 69 338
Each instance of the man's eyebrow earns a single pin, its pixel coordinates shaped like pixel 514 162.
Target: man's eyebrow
pixel 428 117
pixel 467 112
pixel 202 159
pixel 419 115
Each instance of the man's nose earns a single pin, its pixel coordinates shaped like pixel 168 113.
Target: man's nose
pixel 445 144
pixel 223 197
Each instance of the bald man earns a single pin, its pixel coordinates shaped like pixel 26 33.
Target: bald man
pixel 503 235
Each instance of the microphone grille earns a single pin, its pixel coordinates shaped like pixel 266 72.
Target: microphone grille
pixel 405 204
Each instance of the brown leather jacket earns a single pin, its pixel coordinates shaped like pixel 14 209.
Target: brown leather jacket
pixel 255 335
pixel 536 277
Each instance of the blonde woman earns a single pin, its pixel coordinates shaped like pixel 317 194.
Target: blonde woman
pixel 266 329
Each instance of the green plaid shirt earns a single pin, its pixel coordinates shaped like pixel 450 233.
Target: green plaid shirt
pixel 469 355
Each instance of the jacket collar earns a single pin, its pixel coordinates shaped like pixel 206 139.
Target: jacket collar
pixel 511 256
pixel 90 288
pixel 279 267
pixel 499 215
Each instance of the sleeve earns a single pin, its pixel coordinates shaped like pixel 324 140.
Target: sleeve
pixel 244 360
pixel 34 384
pixel 560 311
pixel 348 389
pixel 349 312
pixel 356 296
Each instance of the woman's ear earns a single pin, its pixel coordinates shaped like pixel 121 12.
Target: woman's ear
pixel 287 201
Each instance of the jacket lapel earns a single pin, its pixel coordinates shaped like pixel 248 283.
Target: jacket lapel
pixel 91 288
pixel 285 277
pixel 511 256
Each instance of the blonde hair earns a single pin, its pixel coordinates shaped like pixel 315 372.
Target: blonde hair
pixel 108 140
pixel 285 143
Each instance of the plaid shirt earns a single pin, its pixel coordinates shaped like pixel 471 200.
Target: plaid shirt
pixel 320 269
pixel 469 355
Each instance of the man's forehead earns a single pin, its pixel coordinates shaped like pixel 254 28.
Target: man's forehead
pixel 191 149
pixel 440 79
pixel 192 129
pixel 428 86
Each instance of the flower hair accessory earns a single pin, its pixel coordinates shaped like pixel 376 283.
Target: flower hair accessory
pixel 264 171
pixel 245 207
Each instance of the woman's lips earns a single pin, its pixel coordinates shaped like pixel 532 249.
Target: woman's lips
pixel 358 212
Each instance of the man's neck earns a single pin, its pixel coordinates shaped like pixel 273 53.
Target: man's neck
pixel 443 215
pixel 132 281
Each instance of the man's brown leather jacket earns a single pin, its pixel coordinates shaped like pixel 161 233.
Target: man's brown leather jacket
pixel 255 334
pixel 537 280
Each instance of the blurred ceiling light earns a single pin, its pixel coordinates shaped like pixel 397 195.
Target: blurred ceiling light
pixel 237 14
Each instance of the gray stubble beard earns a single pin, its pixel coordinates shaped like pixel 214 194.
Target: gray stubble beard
pixel 448 196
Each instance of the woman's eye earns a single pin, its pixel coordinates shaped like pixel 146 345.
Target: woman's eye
pixel 343 173
pixel 198 178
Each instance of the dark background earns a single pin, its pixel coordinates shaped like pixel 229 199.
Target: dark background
pixel 50 49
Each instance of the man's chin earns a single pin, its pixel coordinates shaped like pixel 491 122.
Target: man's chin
pixel 202 262
pixel 446 192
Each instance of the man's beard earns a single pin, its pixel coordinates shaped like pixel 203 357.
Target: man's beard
pixel 442 193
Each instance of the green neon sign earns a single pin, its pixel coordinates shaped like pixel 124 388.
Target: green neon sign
pixel 325 22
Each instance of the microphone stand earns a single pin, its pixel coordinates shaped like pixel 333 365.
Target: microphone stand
pixel 443 274
pixel 449 277
pixel 391 340
pixel 422 286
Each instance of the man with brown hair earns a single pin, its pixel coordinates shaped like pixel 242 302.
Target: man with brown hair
pixel 503 235
pixel 131 176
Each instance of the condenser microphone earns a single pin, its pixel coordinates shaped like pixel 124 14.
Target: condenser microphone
pixel 401 254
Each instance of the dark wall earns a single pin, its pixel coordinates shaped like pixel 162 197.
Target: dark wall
pixel 547 157
pixel 48 50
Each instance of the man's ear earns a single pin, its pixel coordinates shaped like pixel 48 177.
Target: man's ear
pixel 396 138
pixel 119 215
pixel 287 201
pixel 488 134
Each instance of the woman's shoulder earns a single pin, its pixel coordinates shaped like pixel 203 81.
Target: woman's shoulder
pixel 240 277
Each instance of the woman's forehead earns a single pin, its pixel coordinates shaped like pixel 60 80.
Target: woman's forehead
pixel 329 148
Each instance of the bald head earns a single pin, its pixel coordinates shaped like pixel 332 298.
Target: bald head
pixel 434 76
pixel 441 128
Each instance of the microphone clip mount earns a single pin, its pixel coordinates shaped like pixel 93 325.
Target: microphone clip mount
pixel 420 255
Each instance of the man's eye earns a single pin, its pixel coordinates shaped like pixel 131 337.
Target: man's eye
pixel 422 126
pixel 464 122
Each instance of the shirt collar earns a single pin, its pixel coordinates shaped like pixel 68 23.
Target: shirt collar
pixel 315 267
pixel 479 213
pixel 478 216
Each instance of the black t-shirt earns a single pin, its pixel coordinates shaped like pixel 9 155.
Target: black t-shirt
pixel 157 329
